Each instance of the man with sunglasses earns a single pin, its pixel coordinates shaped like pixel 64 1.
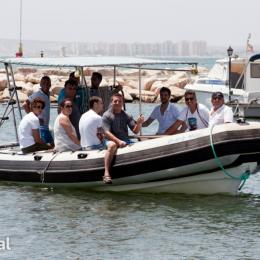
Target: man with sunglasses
pixel 194 116
pixel 219 113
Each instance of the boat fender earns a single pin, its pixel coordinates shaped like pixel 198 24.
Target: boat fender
pixel 82 155
pixel 37 157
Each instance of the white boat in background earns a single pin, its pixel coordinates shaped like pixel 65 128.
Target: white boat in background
pixel 245 85
pixel 205 161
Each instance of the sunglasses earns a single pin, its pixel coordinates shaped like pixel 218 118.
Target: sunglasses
pixel 38 107
pixel 68 106
pixel 189 99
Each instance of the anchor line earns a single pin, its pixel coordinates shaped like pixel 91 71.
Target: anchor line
pixel 243 177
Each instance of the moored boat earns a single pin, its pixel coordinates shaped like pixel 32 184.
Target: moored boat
pixel 244 92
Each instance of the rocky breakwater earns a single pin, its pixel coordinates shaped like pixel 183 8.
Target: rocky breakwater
pixel 151 81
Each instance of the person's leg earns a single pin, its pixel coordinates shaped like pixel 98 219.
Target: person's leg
pixel 111 150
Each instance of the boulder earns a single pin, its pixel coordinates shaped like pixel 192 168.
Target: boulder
pixel 146 96
pixel 127 96
pixel 148 83
pixel 87 72
pixel 106 72
pixel 176 93
pixel 21 96
pixel 3 82
pixel 26 70
pixel 19 77
pixel 55 72
pixel 33 78
pixel 119 81
pixel 132 84
pixel 158 85
pixel 55 90
pixel 181 83
pixel 28 89
pixel 36 87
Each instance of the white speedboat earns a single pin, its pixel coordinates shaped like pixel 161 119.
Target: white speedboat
pixel 203 161
pixel 244 94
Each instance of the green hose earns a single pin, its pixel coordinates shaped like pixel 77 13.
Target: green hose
pixel 243 177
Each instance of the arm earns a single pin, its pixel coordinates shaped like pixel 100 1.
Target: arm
pixel 113 138
pixel 174 129
pixel 138 124
pixel 147 122
pixel 26 106
pixel 65 123
pixel 36 136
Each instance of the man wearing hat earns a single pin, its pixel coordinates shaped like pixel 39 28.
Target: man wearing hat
pixel 219 113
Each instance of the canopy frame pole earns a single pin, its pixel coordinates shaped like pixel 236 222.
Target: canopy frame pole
pixel 11 94
pixel 140 91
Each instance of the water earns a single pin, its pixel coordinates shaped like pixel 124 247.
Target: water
pixel 72 224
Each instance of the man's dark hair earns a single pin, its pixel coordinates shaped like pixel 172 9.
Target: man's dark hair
pixel 165 89
pixel 94 100
pixel 71 82
pixel 115 95
pixel 98 75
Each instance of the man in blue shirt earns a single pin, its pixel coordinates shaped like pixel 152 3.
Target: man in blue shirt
pixel 166 113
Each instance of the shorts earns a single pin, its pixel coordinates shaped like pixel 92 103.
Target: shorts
pixel 45 135
pixel 101 146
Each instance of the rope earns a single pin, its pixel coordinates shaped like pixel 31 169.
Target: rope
pixel 42 172
pixel 243 177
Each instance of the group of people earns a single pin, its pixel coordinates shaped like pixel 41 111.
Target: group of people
pixel 193 116
pixel 78 126
pixel 88 121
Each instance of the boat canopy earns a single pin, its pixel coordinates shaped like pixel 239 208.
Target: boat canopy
pixel 99 61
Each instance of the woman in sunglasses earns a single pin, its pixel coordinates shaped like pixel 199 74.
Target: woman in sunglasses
pixel 194 116
pixel 65 136
pixel 28 130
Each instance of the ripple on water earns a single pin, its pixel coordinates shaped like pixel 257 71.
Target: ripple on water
pixel 76 224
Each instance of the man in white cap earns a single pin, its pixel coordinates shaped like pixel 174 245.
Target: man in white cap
pixel 219 113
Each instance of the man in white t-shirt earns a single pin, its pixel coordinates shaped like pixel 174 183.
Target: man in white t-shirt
pixel 92 134
pixel 194 116
pixel 166 113
pixel 219 113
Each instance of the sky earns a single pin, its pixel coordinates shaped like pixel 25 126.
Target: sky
pixel 219 22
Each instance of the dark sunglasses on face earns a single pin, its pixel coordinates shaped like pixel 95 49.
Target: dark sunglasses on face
pixel 68 106
pixel 189 99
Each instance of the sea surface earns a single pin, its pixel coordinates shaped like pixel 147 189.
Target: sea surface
pixel 59 224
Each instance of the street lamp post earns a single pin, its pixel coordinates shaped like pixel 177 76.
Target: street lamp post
pixel 229 52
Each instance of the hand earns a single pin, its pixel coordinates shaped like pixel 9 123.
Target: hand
pixel 122 144
pixel 140 119
pixel 118 87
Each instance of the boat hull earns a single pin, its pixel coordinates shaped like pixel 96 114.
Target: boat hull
pixel 159 165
